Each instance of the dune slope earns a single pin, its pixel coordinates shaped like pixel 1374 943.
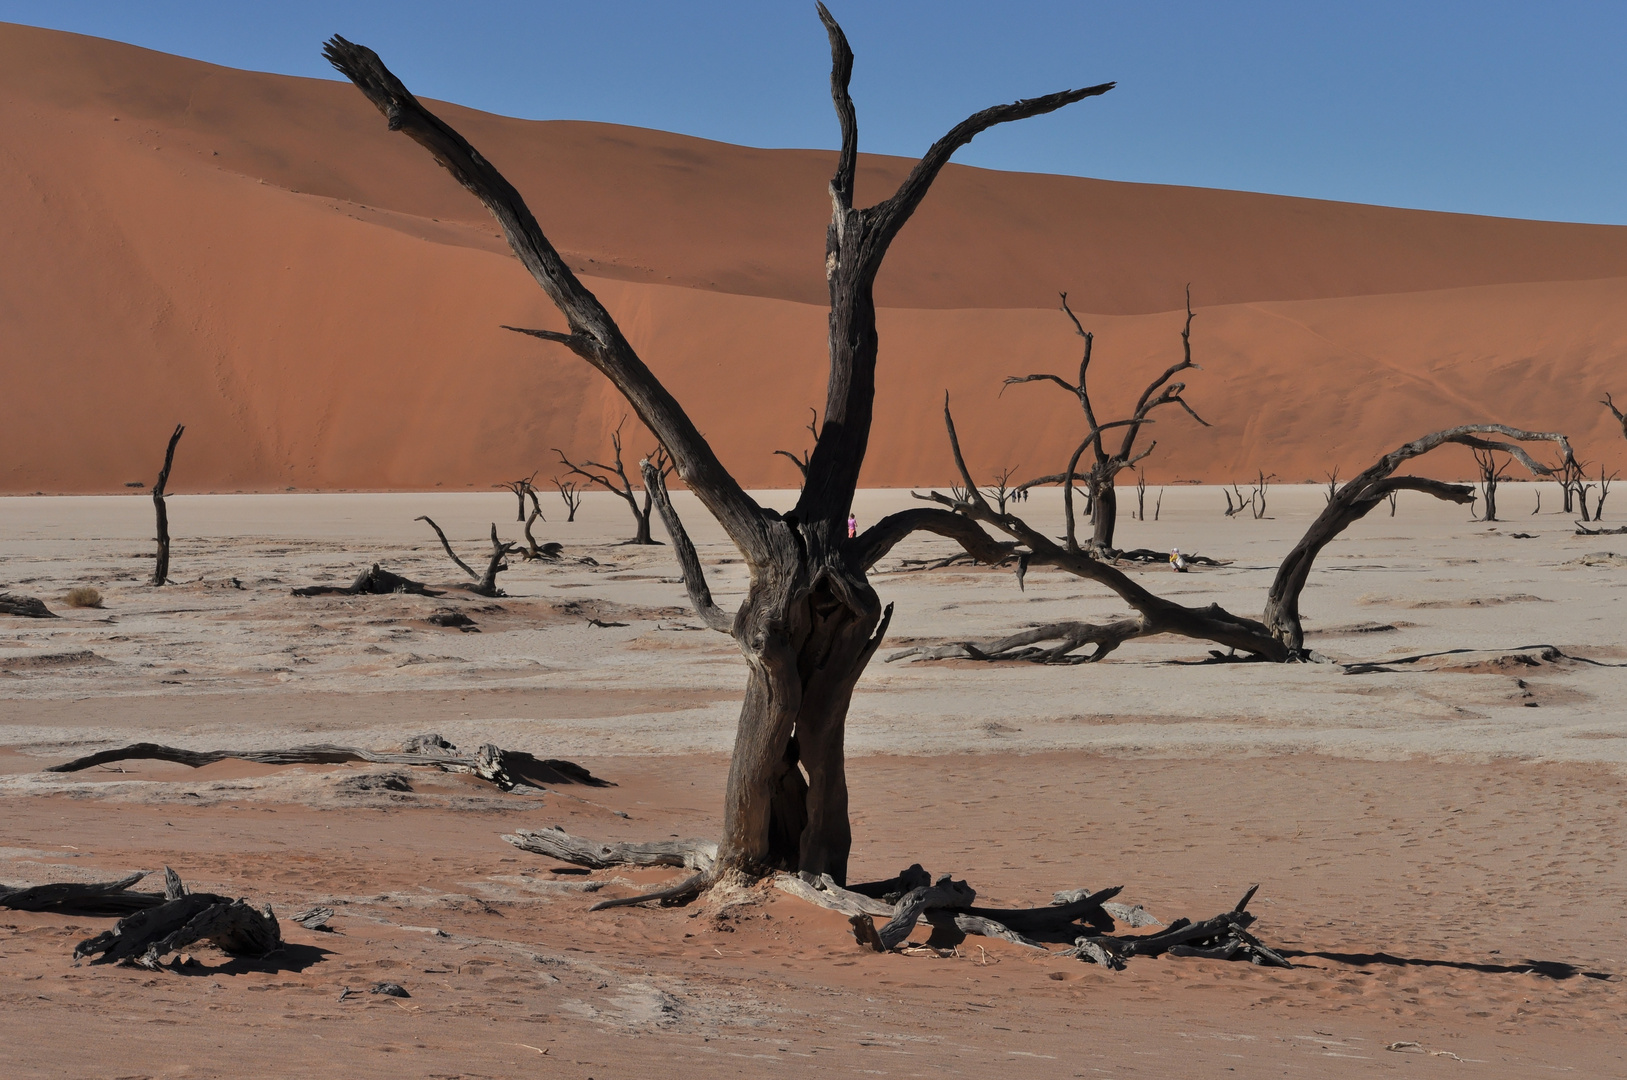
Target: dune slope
pixel 257 257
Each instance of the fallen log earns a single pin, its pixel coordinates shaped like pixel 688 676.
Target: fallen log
pixel 82 898
pixel 27 607
pixel 142 939
pixel 507 769
pixel 556 843
pixel 375 581
pixel 946 893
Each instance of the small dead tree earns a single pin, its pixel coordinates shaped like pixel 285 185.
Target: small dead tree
pixel 802 462
pixel 485 584
pixel 621 486
pixel 1278 635
pixel 1001 490
pixel 1103 497
pixel 1141 496
pixel 1571 478
pixel 161 567
pixel 571 494
pixel 1257 496
pixel 811 620
pixel 1393 494
pixel 1332 486
pixel 522 488
pixel 1491 474
pixel 1604 491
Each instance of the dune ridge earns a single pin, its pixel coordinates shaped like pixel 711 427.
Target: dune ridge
pixel 255 256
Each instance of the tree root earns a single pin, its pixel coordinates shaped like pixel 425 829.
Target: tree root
pixel 143 938
pixel 507 769
pixel 1024 645
pixel 29 607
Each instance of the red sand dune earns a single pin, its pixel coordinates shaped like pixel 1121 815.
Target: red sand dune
pixel 257 257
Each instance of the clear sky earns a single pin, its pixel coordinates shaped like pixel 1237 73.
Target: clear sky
pixel 1489 107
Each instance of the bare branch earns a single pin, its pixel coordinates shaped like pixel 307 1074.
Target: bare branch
pixel 841 73
pixel 875 542
pixel 448 547
pixel 603 344
pixel 700 596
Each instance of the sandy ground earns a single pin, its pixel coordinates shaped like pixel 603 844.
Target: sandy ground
pixel 1440 844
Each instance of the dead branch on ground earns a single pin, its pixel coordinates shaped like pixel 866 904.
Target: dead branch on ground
pixel 505 768
pixel 374 580
pixel 27 607
pixel 485 584
pixel 143 938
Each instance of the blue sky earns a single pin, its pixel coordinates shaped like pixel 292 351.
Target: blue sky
pixel 1512 109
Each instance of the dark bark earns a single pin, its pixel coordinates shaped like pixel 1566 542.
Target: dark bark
pixel 810 621
pixel 374 580
pixel 1099 478
pixel 27 607
pixel 571 495
pixel 1491 474
pixel 522 488
pixel 183 918
pixel 161 566
pixel 486 583
pixel 82 898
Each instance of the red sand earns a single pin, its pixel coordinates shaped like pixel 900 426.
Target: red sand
pixel 256 256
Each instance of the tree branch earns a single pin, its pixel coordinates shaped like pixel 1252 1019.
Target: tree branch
pixel 604 346
pixel 874 543
pixel 700 596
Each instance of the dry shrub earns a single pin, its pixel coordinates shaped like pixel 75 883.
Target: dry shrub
pixel 83 596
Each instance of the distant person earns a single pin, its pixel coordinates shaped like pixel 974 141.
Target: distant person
pixel 852 526
pixel 1177 561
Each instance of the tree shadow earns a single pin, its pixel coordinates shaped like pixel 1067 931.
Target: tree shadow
pixel 295 958
pixel 1548 969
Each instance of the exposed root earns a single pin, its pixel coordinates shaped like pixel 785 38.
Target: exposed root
pixel 143 938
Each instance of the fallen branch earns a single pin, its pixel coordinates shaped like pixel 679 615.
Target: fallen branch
pixel 183 918
pixel 82 898
pixel 28 607
pixel 505 768
pixel 373 580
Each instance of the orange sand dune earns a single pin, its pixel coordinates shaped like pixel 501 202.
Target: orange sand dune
pixel 255 256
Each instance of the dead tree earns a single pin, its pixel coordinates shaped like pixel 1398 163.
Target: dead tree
pixel 1621 417
pixel 161 569
pixel 621 486
pixel 802 462
pixel 1141 496
pixel 1103 498
pixel 521 488
pixel 571 494
pixel 1001 490
pixel 1571 478
pixel 485 584
pixel 1491 474
pixel 1333 485
pixel 810 621
pixel 1278 634
pixel 1604 490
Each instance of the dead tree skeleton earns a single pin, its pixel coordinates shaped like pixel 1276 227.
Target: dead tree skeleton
pixel 522 488
pixel 570 492
pixel 624 489
pixel 1491 474
pixel 161 566
pixel 485 584
pixel 1278 634
pixel 811 620
pixel 1101 494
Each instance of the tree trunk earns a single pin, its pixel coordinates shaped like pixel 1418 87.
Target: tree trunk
pixel 161 566
pixel 1104 516
pixel 808 628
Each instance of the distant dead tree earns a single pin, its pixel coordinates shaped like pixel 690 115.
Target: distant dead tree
pixel 1491 474
pixel 571 493
pixel 161 568
pixel 1394 494
pixel 521 488
pixel 1141 496
pixel 802 462
pixel 811 620
pixel 1583 489
pixel 1001 490
pixel 1621 417
pixel 1278 635
pixel 1098 480
pixel 1333 485
pixel 1571 478
pixel 1254 502
pixel 485 584
pixel 622 486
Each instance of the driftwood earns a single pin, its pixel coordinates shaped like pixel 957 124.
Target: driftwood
pixel 27 607
pixel 485 584
pixel 507 769
pixel 161 566
pixel 1581 530
pixel 374 580
pixel 142 939
pixel 812 621
pixel 556 843
pixel 79 898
